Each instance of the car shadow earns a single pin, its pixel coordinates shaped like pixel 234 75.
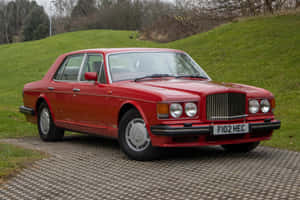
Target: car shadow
pixel 182 153
pixel 92 140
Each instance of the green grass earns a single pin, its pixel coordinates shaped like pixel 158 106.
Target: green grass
pixel 262 51
pixel 13 159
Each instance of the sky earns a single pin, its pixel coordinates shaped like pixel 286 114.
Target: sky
pixel 45 4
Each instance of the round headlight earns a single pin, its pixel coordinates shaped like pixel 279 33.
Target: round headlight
pixel 176 110
pixel 253 106
pixel 190 109
pixel 265 106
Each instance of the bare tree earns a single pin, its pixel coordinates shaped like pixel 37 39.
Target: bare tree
pixel 62 17
pixel 240 7
pixel 64 7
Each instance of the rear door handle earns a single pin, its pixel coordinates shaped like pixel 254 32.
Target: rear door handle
pixel 51 88
pixel 76 90
pixel 109 92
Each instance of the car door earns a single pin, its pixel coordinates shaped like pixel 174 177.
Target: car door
pixel 89 99
pixel 61 88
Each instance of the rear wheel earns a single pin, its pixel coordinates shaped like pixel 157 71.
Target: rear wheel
pixel 243 147
pixel 46 127
pixel 134 138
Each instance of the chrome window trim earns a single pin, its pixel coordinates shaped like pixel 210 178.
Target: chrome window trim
pixel 109 54
pixel 81 67
pixel 65 81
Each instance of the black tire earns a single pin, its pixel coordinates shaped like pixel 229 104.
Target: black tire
pixel 242 148
pixel 53 133
pixel 149 153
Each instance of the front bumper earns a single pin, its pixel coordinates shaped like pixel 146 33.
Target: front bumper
pixel 165 130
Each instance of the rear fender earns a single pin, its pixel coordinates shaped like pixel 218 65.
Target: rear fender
pixel 44 97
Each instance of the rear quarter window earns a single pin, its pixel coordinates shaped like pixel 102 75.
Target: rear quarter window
pixel 69 69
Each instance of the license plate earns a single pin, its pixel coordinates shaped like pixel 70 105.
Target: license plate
pixel 231 129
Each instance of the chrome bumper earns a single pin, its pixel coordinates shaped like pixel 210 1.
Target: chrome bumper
pixel 27 111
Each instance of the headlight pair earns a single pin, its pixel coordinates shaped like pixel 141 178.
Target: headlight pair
pixel 255 106
pixel 176 110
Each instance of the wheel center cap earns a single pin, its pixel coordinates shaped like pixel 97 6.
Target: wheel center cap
pixel 137 135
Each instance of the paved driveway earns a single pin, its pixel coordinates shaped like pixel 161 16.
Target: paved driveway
pixel 94 168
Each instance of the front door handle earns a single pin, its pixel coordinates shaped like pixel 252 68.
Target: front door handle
pixel 51 88
pixel 76 90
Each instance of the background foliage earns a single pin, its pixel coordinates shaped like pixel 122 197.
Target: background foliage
pixel 22 20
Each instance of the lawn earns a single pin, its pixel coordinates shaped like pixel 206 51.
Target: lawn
pixel 13 159
pixel 261 51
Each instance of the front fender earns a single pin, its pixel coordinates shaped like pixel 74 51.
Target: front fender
pixel 139 108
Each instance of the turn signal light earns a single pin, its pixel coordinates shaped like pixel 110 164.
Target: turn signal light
pixel 162 110
pixel 273 104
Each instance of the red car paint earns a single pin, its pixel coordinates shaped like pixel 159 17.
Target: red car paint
pixel 96 108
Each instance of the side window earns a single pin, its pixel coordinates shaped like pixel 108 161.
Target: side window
pixel 60 71
pixel 93 63
pixel 70 68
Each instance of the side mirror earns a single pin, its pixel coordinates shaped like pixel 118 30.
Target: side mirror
pixel 90 76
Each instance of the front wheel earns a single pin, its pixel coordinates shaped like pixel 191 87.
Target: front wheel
pixel 243 147
pixel 46 127
pixel 134 138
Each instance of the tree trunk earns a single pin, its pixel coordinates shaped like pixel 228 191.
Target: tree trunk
pixel 268 6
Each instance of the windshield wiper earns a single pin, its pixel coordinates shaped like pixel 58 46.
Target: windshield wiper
pixel 191 76
pixel 153 76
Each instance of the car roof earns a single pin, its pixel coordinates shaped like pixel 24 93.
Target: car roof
pixel 123 50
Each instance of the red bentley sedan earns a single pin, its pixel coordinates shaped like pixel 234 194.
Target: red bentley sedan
pixel 147 98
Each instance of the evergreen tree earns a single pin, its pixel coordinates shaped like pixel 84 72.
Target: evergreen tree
pixel 36 25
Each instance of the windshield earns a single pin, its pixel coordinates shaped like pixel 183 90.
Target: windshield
pixel 131 66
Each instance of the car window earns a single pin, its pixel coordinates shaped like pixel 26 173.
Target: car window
pixel 129 66
pixel 93 63
pixel 60 71
pixel 70 68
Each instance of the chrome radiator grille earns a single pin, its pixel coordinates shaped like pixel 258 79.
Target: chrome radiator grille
pixel 225 106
